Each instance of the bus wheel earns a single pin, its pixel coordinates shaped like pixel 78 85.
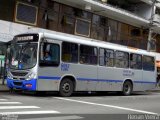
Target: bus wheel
pixel 66 87
pixel 127 88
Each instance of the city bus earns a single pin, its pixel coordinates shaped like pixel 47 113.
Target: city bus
pixel 66 64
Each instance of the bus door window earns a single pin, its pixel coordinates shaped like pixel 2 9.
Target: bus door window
pixel 102 61
pixel 106 57
pixel 49 54
pixel 109 58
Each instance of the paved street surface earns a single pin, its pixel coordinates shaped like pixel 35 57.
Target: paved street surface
pixel 27 106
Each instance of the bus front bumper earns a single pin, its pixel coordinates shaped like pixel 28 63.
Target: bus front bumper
pixel 22 84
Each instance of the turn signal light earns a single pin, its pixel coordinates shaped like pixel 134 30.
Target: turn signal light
pixel 29 85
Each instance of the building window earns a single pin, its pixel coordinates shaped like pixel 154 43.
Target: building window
pixel 88 55
pixel 48 15
pixel 82 14
pixel 82 23
pixel 67 24
pixel 135 36
pixel 82 27
pixel 122 36
pixel 99 28
pixel 66 19
pixel 158 43
pixel 7 10
pixel 49 19
pixel 112 31
pixel 144 41
pixel 26 13
pixel 69 52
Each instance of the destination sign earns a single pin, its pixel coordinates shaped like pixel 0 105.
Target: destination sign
pixel 27 38
pixel 24 38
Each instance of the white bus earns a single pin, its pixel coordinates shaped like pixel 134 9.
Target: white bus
pixel 52 62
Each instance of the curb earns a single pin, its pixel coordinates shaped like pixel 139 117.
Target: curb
pixel 153 91
pixel 157 89
pixel 4 88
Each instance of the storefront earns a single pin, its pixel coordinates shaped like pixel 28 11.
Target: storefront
pixel 3 49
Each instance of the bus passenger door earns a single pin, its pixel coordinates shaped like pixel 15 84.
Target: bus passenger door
pixel 106 71
pixel 87 69
pixel 49 63
pixel 149 73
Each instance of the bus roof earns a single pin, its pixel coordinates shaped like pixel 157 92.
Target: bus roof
pixel 92 42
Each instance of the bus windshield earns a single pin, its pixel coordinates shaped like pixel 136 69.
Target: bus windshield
pixel 23 56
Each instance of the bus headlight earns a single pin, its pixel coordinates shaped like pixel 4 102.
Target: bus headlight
pixel 9 76
pixel 31 76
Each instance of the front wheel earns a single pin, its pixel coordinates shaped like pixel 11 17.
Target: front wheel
pixel 66 88
pixel 127 88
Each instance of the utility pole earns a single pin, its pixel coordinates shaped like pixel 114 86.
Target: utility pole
pixel 151 25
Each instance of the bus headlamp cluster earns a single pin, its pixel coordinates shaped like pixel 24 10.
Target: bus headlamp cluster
pixel 31 76
pixel 9 75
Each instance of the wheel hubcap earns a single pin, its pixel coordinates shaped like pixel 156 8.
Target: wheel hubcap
pixel 66 87
pixel 126 88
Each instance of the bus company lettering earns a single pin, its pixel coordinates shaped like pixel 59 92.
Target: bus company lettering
pixel 143 117
pixel 128 73
pixel 65 67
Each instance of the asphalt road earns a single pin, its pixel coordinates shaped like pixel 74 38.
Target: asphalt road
pixel 101 106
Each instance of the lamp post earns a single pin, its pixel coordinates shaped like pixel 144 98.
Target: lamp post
pixel 151 25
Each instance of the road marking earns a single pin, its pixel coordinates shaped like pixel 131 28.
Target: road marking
pixel 3 99
pixel 17 107
pixel 73 117
pixel 105 105
pixel 29 112
pixel 2 103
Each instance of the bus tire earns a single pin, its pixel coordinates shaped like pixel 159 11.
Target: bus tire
pixel 127 88
pixel 66 87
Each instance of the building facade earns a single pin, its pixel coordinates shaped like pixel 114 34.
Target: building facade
pixel 125 22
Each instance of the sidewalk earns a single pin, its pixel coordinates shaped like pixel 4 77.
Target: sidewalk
pixel 157 89
pixel 3 88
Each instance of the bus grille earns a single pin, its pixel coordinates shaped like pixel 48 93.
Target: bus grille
pixel 19 73
pixel 17 83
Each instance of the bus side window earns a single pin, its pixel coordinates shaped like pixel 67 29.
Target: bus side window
pixel 148 63
pixel 135 61
pixel 49 54
pixel 69 52
pixel 121 59
pixel 88 55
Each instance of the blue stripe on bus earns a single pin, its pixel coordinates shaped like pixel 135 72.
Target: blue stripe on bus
pixel 144 82
pixel 49 77
pixel 98 80
pixel 90 79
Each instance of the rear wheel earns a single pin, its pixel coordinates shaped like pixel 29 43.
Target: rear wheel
pixel 66 87
pixel 127 88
